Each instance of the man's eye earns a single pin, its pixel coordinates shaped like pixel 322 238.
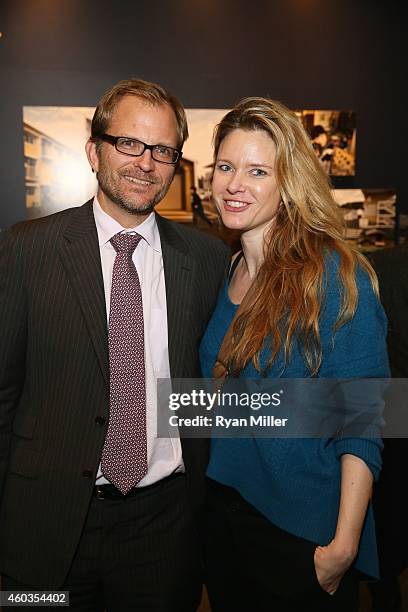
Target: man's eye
pixel 129 143
pixel 164 151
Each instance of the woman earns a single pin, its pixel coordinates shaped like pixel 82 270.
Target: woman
pixel 289 523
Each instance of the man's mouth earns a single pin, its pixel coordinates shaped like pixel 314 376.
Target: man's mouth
pixel 138 181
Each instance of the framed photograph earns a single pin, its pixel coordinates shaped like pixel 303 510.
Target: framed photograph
pixel 369 216
pixel 58 175
pixel 333 136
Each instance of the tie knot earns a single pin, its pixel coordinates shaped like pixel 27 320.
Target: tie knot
pixel 125 242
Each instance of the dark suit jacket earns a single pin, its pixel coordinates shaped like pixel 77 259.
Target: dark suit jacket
pixel 390 500
pixel 391 266
pixel 54 376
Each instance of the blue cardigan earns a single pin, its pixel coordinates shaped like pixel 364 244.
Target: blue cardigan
pixel 295 483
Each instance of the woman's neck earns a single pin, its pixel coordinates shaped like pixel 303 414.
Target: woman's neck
pixel 252 248
pixel 253 245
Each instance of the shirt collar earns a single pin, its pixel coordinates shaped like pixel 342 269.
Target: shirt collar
pixel 107 227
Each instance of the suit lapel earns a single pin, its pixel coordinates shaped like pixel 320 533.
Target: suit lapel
pixel 81 259
pixel 178 273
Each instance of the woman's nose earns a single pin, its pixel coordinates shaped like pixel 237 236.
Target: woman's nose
pixel 236 183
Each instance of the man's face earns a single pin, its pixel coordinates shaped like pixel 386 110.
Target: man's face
pixel 130 187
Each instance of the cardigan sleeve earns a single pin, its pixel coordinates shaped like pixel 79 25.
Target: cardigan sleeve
pixel 357 350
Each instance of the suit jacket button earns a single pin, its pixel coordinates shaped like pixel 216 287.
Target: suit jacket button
pixel 100 420
pixel 87 474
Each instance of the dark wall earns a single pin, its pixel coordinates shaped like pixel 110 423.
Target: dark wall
pixel 308 53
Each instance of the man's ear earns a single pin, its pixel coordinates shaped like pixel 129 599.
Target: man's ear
pixel 92 155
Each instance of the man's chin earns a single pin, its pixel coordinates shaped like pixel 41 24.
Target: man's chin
pixel 135 209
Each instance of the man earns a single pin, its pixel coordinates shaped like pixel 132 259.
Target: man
pixel 96 303
pixel 390 501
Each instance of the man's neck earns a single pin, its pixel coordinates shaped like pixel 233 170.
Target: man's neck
pixel 124 218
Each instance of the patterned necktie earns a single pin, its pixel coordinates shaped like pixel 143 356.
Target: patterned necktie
pixel 124 455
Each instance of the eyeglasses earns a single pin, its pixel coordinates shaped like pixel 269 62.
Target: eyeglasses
pixel 136 148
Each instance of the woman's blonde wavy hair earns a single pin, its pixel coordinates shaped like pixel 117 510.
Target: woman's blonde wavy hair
pixel 287 295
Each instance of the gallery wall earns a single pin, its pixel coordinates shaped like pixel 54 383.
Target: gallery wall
pixel 308 53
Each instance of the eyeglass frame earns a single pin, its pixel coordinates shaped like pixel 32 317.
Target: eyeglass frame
pixel 113 140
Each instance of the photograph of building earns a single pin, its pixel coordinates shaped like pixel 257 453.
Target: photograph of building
pixel 369 216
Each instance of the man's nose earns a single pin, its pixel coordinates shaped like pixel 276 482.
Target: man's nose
pixel 144 161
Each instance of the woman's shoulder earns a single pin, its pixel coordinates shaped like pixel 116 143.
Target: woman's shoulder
pixel 368 311
pixel 358 346
pixel 332 277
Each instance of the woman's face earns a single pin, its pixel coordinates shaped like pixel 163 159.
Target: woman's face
pixel 244 185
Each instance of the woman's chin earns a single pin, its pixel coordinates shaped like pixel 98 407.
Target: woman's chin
pixel 234 222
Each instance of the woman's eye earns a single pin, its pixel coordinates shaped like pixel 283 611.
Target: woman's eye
pixel 223 167
pixel 258 172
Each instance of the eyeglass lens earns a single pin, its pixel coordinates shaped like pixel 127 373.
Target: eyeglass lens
pixel 136 147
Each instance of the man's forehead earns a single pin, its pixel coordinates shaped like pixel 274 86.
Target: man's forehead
pixel 133 105
pixel 135 113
